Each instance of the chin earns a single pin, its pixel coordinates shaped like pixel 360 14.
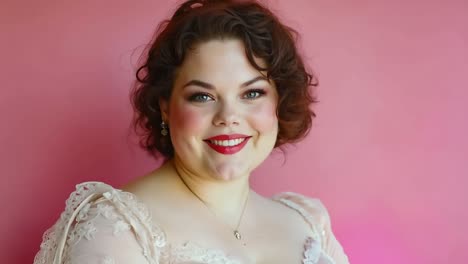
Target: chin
pixel 229 172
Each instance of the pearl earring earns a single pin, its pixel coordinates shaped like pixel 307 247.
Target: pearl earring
pixel 164 130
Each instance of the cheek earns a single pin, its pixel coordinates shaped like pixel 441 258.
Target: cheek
pixel 264 117
pixel 186 118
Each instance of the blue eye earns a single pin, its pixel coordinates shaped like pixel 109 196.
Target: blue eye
pixel 253 94
pixel 200 97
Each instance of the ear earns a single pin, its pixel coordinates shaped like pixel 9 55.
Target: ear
pixel 164 108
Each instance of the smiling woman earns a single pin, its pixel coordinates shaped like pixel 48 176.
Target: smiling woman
pixel 233 103
pixel 221 87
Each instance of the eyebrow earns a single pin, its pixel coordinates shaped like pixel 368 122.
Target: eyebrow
pixel 211 87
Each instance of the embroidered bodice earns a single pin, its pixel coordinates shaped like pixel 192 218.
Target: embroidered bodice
pixel 104 225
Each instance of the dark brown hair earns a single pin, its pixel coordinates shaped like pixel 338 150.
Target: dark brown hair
pixel 264 37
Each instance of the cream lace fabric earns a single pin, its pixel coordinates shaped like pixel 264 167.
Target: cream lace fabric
pixel 103 225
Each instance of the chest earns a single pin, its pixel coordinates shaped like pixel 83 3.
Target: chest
pixel 265 239
pixel 273 252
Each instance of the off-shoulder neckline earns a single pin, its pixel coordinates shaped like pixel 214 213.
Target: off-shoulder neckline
pixel 157 231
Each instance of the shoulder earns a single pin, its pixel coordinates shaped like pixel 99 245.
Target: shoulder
pixel 311 203
pixel 312 206
pixel 97 222
pixel 98 199
pixel 316 214
pixel 312 209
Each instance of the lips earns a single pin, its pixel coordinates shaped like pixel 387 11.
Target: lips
pixel 227 144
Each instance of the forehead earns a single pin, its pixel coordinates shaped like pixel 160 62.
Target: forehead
pixel 218 61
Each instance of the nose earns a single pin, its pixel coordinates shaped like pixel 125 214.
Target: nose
pixel 226 114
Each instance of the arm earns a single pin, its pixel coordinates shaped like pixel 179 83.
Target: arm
pixel 104 238
pixel 316 214
pixel 114 228
pixel 330 244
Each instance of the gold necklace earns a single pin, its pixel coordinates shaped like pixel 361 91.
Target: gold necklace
pixel 236 232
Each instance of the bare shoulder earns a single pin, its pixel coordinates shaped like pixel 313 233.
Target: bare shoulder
pixel 141 185
pixel 157 192
pixel 151 186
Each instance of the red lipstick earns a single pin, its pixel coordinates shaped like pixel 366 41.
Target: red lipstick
pixel 227 144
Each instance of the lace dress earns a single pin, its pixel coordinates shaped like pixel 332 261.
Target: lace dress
pixel 104 225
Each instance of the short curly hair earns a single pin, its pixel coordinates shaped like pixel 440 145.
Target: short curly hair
pixel 264 37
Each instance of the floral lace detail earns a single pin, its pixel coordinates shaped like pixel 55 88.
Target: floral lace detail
pixel 313 248
pixel 124 207
pixel 137 215
pixel 86 229
pixel 107 260
pixel 120 226
pixel 312 251
pixel 192 252
pixel 126 213
pixel 53 236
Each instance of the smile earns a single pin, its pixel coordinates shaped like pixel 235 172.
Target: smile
pixel 227 144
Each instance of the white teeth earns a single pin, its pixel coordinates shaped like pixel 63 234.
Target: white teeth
pixel 228 143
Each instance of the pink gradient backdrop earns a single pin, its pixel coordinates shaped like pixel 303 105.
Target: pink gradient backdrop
pixel 387 155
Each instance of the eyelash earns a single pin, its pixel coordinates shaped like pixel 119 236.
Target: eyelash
pixel 260 93
pixel 196 97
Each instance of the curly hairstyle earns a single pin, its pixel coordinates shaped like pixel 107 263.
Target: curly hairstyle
pixel 264 37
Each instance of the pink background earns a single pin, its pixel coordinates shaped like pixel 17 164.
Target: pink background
pixel 388 154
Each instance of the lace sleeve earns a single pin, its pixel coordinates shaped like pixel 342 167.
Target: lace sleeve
pixel 102 236
pixel 317 215
pixel 102 225
pixel 330 244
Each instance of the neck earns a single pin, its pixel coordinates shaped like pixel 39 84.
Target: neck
pixel 225 198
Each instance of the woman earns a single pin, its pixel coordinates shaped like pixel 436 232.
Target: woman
pixel 221 87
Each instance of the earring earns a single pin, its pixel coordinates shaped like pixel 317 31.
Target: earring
pixel 164 131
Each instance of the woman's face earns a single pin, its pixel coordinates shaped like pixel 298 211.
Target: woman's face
pixel 222 112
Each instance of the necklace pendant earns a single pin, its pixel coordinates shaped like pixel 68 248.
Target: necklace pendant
pixel 237 235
